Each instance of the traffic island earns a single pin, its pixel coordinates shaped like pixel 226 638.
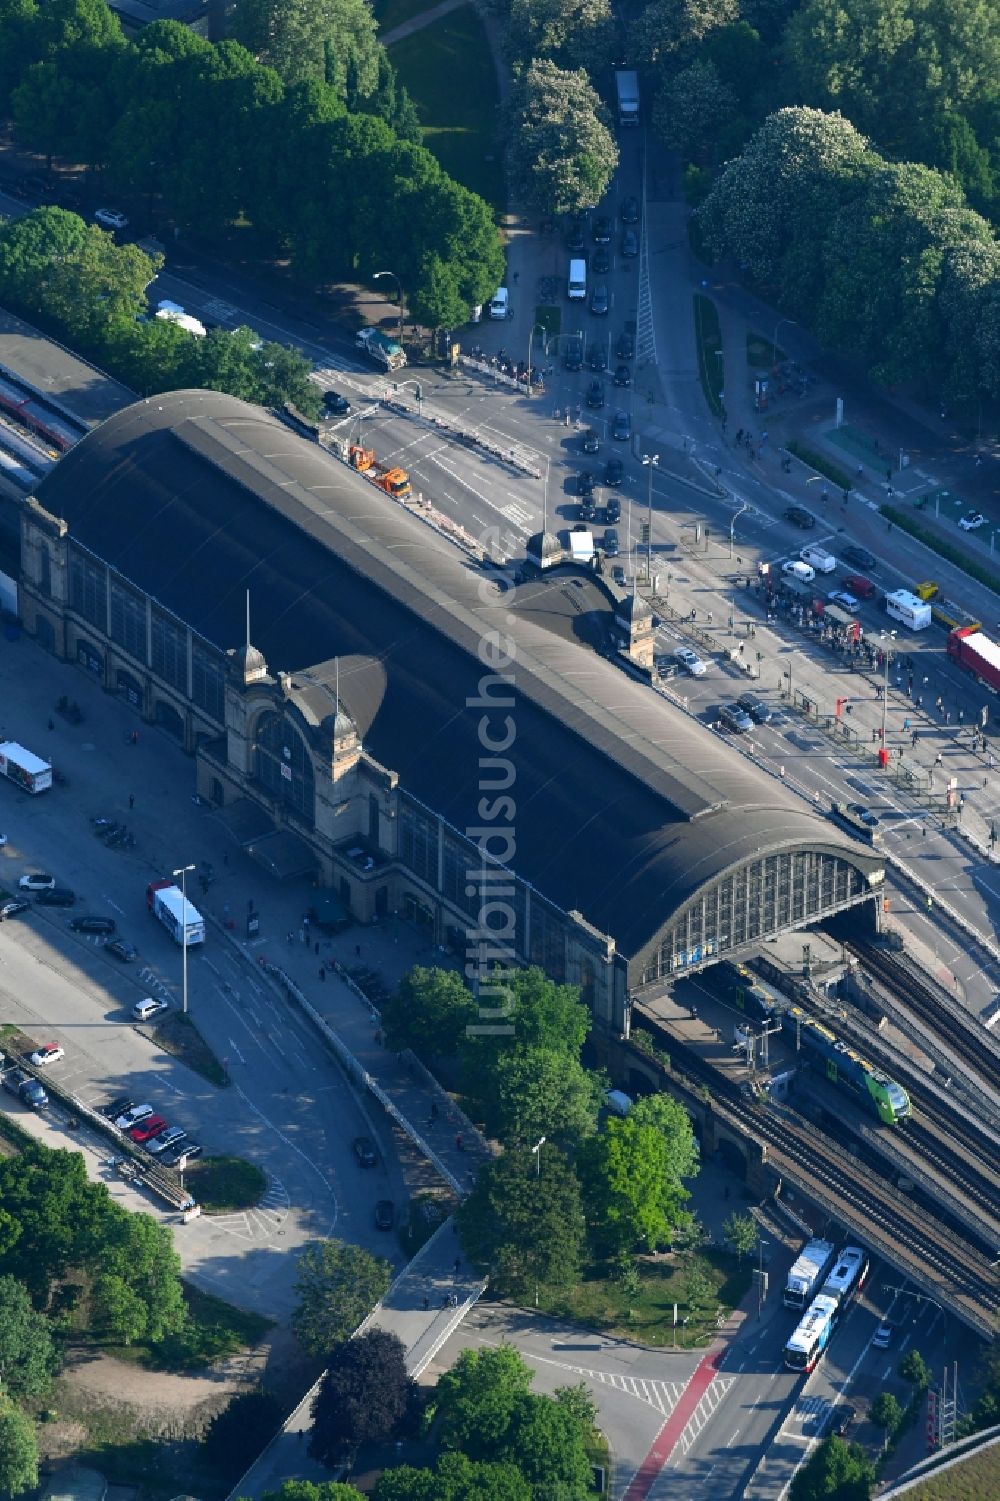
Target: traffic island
pixel 225 1185
pixel 178 1035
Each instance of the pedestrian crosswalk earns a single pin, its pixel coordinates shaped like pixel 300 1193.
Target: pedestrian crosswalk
pixel 811 1412
pixel 704 1411
pixel 263 1220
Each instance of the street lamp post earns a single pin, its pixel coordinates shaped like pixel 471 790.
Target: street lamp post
pixel 399 290
pixel 760 1274
pixel 536 1152
pixel 774 341
pixel 732 525
pixel 183 873
pixel 650 462
pixel 886 657
pixel 530 337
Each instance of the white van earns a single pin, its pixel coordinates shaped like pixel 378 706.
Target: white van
pixel 576 291
pixel 499 303
pixel 818 558
pixel 617 1101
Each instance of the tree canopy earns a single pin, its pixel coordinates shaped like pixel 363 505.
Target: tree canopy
pixel 524 1222
pixel 561 153
pixel 634 1173
pixel 337 1285
pixel 18 1450
pixel 835 1471
pixel 365 1394
pixel 28 1356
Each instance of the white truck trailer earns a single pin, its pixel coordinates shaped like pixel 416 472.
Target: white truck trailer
pixel 22 767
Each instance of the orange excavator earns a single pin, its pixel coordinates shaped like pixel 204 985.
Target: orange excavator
pixel 394 481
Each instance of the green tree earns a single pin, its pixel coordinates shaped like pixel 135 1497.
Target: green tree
pixel 28 1356
pixel 18 1450
pixel 546 1442
pixel 329 40
pixel 835 1471
pixel 578 1401
pixel 561 154
pixel 138 1293
pixel 914 1368
pixel 570 33
pixel 669 27
pixel 476 1399
pixel 20 44
pixel 337 1286
pixel 365 1394
pixel 886 1412
pixel 238 1433
pixel 309 1490
pixel 741 1233
pixel 633 1173
pixel 428 1012
pixel 457 1478
pixel 693 109
pixel 537 1092
pixel 61 1216
pixel 524 1221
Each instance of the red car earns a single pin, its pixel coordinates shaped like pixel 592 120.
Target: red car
pixel 150 1127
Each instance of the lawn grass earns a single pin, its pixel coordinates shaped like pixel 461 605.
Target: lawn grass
pixel 448 70
pixel 970 1479
pixel 224 1185
pixel 708 336
pixel 954 553
pixel 597 1302
pixel 178 1035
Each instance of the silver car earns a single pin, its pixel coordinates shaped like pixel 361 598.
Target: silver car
pixel 690 661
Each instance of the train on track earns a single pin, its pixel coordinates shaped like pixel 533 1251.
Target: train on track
pixel 842 1064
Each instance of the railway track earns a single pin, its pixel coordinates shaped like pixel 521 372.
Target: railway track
pixel 956 1275
pixel 966 1037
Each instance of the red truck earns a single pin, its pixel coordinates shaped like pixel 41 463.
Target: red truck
pixel 974 651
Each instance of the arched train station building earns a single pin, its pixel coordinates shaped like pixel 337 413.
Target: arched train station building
pixel 400 708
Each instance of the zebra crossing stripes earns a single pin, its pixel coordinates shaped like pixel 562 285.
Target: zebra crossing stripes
pixel 660 1395
pixel 704 1411
pixel 263 1220
pixel 811 1410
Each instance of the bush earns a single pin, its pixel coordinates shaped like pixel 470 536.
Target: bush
pixel 820 463
pixel 980 571
pixel 226 1184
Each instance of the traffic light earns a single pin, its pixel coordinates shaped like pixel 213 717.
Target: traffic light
pixel 644 532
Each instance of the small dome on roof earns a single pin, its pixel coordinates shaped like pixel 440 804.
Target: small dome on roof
pixel 248 664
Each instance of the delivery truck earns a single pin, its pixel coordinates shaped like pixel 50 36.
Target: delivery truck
pixel 627 84
pixel 28 771
pixel 382 349
pixel 169 906
pixel 973 650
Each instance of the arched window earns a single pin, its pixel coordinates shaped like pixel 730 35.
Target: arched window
pixel 282 765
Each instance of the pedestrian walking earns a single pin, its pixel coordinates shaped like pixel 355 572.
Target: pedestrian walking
pixel 305 922
pixel 427 1302
pixel 939 759
pixel 913 739
pixel 357 950
pixel 317 949
pixel 458 1265
pixel 947 716
pixel 458 1141
pixel 131 801
pixel 322 971
pixel 961 716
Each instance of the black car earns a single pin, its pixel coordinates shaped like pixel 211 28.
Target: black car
pixel 598 357
pixel 115 1108
pixel 614 473
pixel 364 1151
pixel 842 1418
pixel 859 557
pixel 612 546
pixel 600 301
pixel 56 896
pixel 623 375
pixel 591 441
pixel 799 517
pixel 93 924
pixel 13 907
pixel 622 427
pixel 600 261
pixel 585 482
pixel 613 510
pixel 595 394
pixel 630 211
pixel 755 707
pixel 573 354
pixel 625 348
pixel 630 244
pixel 618 574
pixel 385 1214
pixel 602 230
pixel 575 239
pixel 122 950
pixel 337 404
pixel 181 1151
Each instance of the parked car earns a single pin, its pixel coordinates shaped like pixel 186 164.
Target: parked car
pixel 618 574
pixel 168 1138
pixel 37 881
pixel 27 1089
pixel 622 426
pixel 126 952
pixel 623 375
pixel 690 661
pixel 364 1151
pixel 600 261
pixel 92 924
pixel 595 395
pixel 844 600
pixel 385 1214
pixel 602 230
pixel 150 1125
pixel 858 557
pixel 132 1116
pixel 625 348
pixel 56 896
pixel 630 244
pixel 144 1011
pixel 598 356
pixel 798 516
pixel 49 1052
pixel 114 1108
pixel 614 473
pixel 109 218
pixel 600 300
pixel 732 717
pixel 591 440
pixel 337 404
pixel 13 1078
pixel 585 482
pixel 630 211
pixel 613 510
pixel 12 908
pixel 611 544
pixel 972 521
pixel 576 239
pixel 181 1153
pixel 755 707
